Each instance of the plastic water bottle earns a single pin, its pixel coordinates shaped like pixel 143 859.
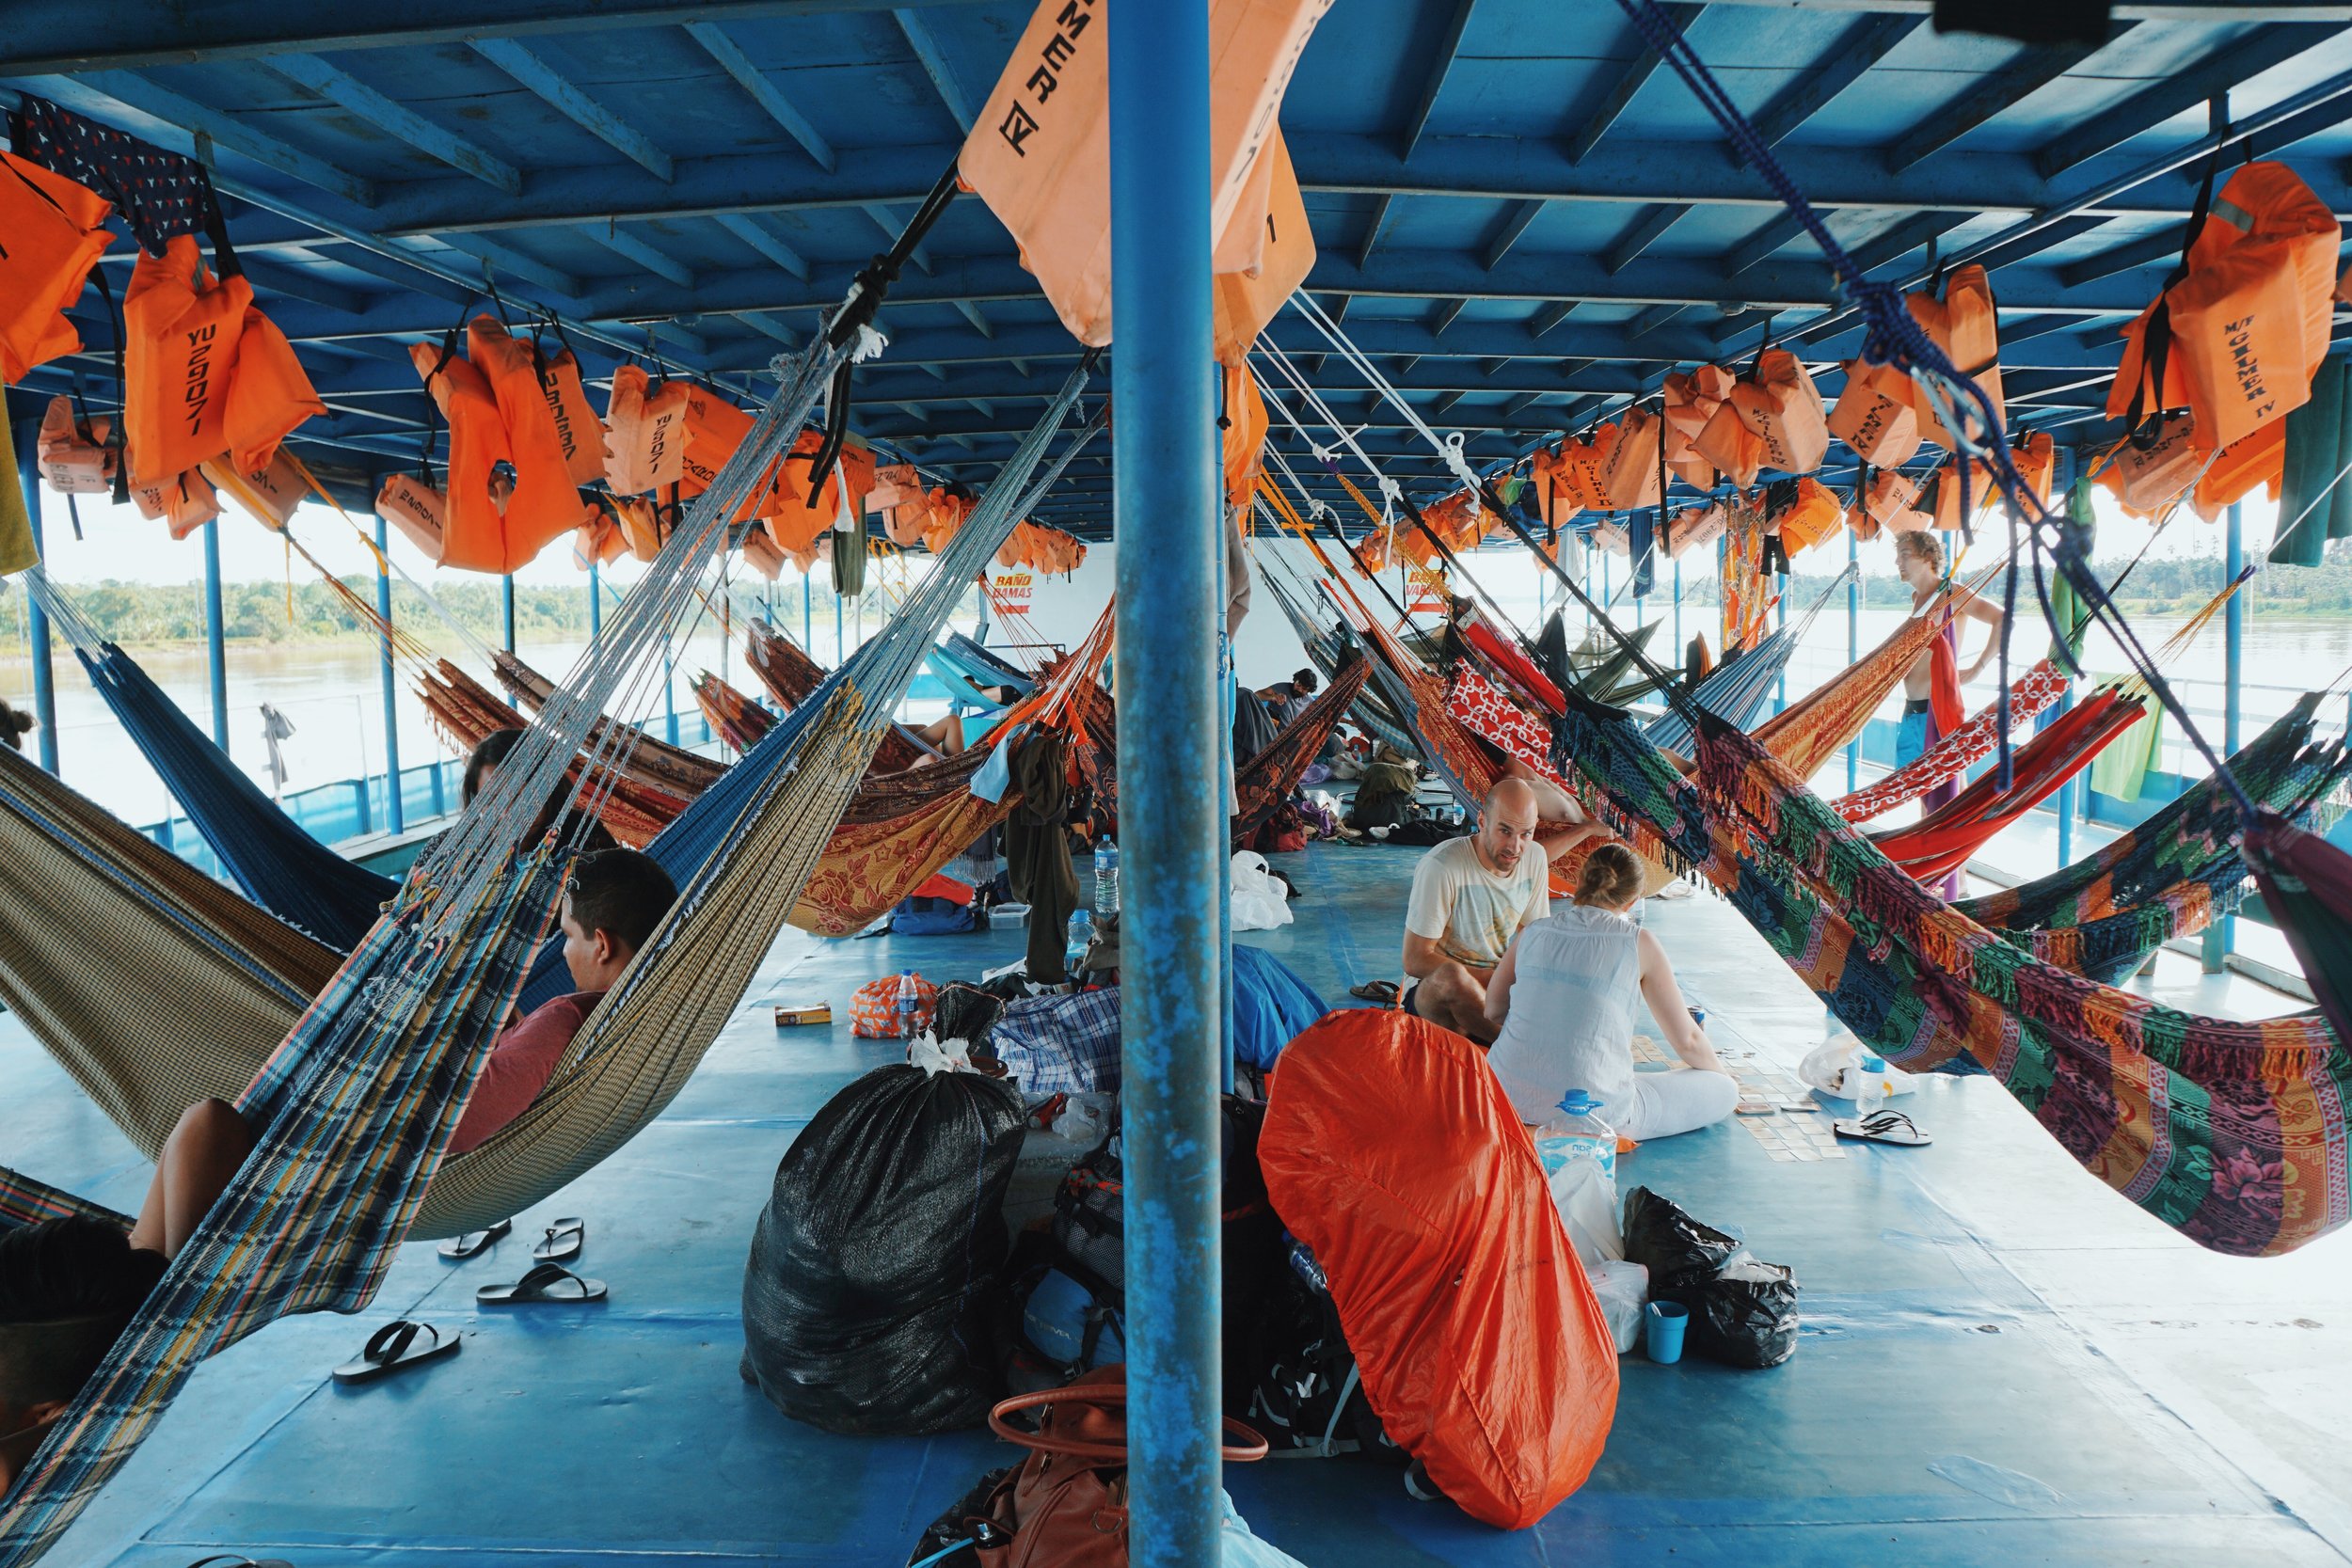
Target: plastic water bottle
pixel 1105 879
pixel 1303 1264
pixel 909 1003
pixel 1081 938
pixel 1867 1084
pixel 1578 1152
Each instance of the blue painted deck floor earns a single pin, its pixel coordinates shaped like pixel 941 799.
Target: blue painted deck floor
pixel 2002 1361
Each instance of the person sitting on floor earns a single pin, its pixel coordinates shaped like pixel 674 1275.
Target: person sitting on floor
pixel 1287 700
pixel 1562 1002
pixel 1470 896
pixel 481 765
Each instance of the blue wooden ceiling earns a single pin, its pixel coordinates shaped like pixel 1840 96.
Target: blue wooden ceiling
pixel 1516 209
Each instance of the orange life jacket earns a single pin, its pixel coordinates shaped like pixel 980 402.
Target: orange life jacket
pixel 55 233
pixel 1246 297
pixel 1628 476
pixel 644 434
pixel 2147 479
pixel 412 505
pixel 897 497
pixel 1874 416
pixel 1965 325
pixel 714 428
pixel 1812 518
pixel 761 554
pixel 1725 441
pixel 2237 336
pixel 1696 527
pixel 1982 494
pixel 184 502
pixel 794 520
pixel 269 494
pixel 577 428
pixel 1887 503
pixel 269 394
pixel 1612 536
pixel 1690 400
pixel 2036 457
pixel 74 459
pixel 545 504
pixel 471 524
pixel 1243 438
pixel 2257 461
pixel 1780 407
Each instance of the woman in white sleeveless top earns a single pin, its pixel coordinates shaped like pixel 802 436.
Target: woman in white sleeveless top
pixel 1564 999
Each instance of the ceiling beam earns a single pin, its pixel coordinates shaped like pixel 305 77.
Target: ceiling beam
pixel 2179 93
pixel 1992 96
pixel 1763 244
pixel 630 248
pixel 971 312
pixel 1379 221
pixel 765 93
pixel 576 105
pixel 1865 44
pixel 1440 67
pixel 919 254
pixel 1647 231
pixel 341 88
pixel 1515 227
pixel 513 263
pixel 2162 245
pixel 1586 136
pixel 1549 317
pixel 748 229
pixel 935 66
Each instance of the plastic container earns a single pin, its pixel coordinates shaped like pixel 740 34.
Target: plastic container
pixel 1663 1323
pixel 1009 914
pixel 1081 938
pixel 1105 879
pixel 1578 1150
pixel 1866 1085
pixel 910 1004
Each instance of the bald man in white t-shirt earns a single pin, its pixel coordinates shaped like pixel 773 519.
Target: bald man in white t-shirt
pixel 1470 896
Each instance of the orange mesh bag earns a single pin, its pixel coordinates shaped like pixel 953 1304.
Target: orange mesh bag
pixel 180 329
pixel 1782 409
pixel 874 1007
pixel 1874 415
pixel 1482 1347
pixel 1629 475
pixel 1965 325
pixel 415 508
pixel 576 429
pixel 54 231
pixel 645 433
pixel 2147 480
pixel 546 505
pixel 2237 337
pixel 74 459
pixel 184 503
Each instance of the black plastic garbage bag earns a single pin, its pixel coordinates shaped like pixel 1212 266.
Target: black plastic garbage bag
pixel 872 1299
pixel 1663 1238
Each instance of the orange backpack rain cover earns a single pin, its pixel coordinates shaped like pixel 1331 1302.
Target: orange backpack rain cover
pixel 1391 1151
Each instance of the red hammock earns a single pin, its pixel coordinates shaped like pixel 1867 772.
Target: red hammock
pixel 1941 843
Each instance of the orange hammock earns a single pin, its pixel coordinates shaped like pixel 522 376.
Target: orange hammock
pixel 789 675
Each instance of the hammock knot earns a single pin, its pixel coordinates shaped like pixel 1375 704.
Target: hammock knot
pixel 1457 460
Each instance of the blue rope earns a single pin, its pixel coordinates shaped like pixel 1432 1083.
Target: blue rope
pixel 1892 337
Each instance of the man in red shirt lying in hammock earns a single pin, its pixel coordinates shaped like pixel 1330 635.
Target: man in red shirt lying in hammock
pixel 67 1286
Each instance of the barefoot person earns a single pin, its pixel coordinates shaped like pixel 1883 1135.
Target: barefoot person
pixel 1470 896
pixel 1562 1002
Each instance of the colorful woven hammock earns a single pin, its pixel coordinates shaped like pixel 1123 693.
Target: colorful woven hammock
pixel 2233 1132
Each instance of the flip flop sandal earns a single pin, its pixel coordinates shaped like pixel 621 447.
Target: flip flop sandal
pixel 394 1346
pixel 562 1241
pixel 548 1282
pixel 230 1559
pixel 1884 1127
pixel 474 1244
pixel 1382 991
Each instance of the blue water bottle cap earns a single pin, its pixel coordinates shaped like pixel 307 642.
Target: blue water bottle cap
pixel 1872 1064
pixel 1578 1103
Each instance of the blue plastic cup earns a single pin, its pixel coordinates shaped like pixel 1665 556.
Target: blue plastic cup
pixel 1666 1319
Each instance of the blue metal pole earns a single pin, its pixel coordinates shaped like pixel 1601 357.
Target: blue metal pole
pixel 395 810
pixel 1679 643
pixel 36 618
pixel 808 611
pixel 2221 938
pixel 506 609
pixel 1165 519
pixel 1853 652
pixel 596 605
pixel 216 653
pixel 1780 620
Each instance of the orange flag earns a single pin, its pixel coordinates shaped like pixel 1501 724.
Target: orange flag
pixel 1040 152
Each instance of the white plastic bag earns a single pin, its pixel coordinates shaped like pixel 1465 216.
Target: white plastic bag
pixel 1261 903
pixel 1824 1067
pixel 1623 1289
pixel 1587 1201
pixel 1238 1547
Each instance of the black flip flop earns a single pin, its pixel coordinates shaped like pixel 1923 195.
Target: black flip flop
pixel 1382 991
pixel 562 1240
pixel 393 1348
pixel 1884 1127
pixel 548 1282
pixel 474 1244
pixel 230 1559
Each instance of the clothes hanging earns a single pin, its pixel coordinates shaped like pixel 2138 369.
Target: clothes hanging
pixel 1037 850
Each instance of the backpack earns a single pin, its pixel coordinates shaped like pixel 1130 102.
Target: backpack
pixel 1307 1398
pixel 925 917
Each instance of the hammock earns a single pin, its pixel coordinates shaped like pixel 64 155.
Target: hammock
pixel 2029 697
pixel 655 763
pixel 468 713
pixel 1267 779
pixel 2233 1132
pixel 789 675
pixel 735 718
pixel 1328 648
pixel 268 854
pixel 1737 687
pixel 964 676
pixel 2173 874
pixel 985 665
pixel 356 1108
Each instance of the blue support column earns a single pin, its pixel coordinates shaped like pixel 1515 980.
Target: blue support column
pixel 216 653
pixel 840 648
pixel 1853 652
pixel 395 809
pixel 2221 936
pixel 1166 520
pixel 506 609
pixel 1679 644
pixel 596 605
pixel 36 618
pixel 1780 620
